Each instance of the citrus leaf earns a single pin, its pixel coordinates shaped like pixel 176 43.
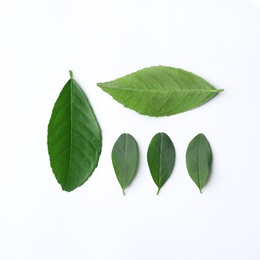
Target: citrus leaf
pixel 198 160
pixel 160 91
pixel 125 160
pixel 74 137
pixel 161 158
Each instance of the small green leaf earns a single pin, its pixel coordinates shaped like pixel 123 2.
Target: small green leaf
pixel 161 158
pixel 74 137
pixel 125 160
pixel 198 160
pixel 160 91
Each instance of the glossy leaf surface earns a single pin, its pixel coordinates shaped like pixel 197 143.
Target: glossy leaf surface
pixel 125 159
pixel 74 137
pixel 161 158
pixel 198 160
pixel 160 91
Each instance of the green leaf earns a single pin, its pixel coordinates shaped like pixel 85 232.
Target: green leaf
pixel 125 160
pixel 161 158
pixel 198 160
pixel 74 137
pixel 160 91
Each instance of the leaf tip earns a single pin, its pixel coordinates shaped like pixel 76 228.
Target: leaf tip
pixel 71 74
pixel 158 191
pixel 101 85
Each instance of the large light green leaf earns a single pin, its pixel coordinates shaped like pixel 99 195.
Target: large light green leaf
pixel 161 158
pixel 74 137
pixel 125 159
pixel 160 91
pixel 198 160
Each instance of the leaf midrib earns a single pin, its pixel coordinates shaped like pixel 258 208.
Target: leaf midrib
pixel 166 90
pixel 160 169
pixel 124 163
pixel 198 164
pixel 71 118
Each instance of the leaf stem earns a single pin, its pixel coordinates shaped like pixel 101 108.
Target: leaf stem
pixel 158 191
pixel 123 191
pixel 71 74
pixel 220 90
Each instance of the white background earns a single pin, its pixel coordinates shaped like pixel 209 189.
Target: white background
pixel 99 41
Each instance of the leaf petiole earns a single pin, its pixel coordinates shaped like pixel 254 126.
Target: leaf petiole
pixel 71 74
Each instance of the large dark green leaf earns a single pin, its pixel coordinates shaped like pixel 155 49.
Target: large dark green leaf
pixel 198 160
pixel 74 137
pixel 160 91
pixel 161 158
pixel 125 159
